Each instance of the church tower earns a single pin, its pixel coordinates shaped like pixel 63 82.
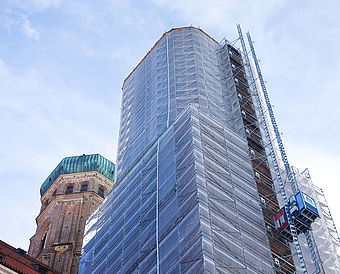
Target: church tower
pixel 69 195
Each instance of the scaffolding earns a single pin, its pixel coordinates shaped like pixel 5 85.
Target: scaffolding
pixel 198 186
pixel 185 199
pixel 282 259
pixel 272 133
pixel 189 205
pixel 323 232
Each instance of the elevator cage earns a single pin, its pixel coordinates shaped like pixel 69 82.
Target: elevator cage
pixel 302 210
pixel 281 224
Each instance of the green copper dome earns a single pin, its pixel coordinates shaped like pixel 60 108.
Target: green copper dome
pixel 83 163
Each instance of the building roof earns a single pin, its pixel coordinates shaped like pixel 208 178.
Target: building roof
pixel 165 33
pixel 17 260
pixel 82 163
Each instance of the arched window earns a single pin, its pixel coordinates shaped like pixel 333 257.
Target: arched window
pixel 69 190
pixel 43 241
pixel 83 188
pixel 101 192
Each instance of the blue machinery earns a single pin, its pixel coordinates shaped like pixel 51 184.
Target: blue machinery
pixel 299 210
pixel 302 211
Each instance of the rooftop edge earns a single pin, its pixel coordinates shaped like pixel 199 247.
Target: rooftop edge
pixel 165 33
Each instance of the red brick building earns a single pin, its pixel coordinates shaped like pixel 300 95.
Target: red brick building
pixel 71 193
pixel 15 260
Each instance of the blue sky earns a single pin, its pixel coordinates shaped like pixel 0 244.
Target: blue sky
pixel 63 62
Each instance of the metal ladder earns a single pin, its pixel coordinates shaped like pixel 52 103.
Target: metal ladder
pixel 314 254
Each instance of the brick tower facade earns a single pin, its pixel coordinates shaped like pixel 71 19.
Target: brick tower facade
pixel 72 192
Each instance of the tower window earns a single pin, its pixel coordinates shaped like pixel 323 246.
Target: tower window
pixel 39 268
pixel 101 192
pixel 83 188
pixel 43 241
pixel 69 190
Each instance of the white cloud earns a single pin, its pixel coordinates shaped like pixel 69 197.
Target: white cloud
pixel 14 21
pixel 28 29
pixel 51 116
pixel 43 120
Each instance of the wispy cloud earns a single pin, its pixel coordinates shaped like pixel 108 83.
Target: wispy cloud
pixel 37 101
pixel 44 119
pixel 28 29
pixel 16 21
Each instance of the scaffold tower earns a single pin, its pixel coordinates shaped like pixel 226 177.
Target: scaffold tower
pixel 271 124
